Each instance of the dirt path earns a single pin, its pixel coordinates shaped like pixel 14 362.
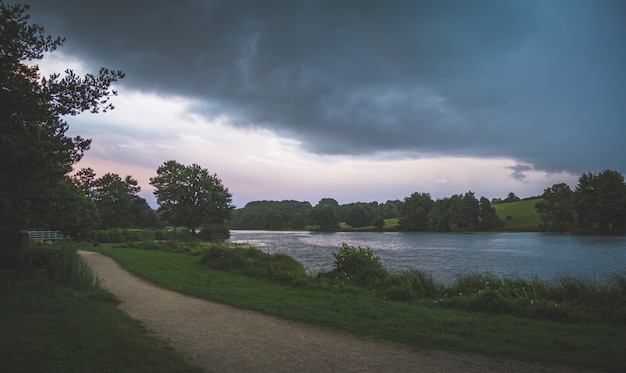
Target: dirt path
pixel 220 338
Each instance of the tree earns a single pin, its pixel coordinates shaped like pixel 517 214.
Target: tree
pixel 600 203
pixel 35 152
pixel 511 197
pixel 69 210
pixel 415 211
pixel 274 220
pixel 464 211
pixel 488 217
pixel 115 198
pixel 378 223
pixel 556 209
pixel 324 217
pixel 438 216
pixel 143 216
pixel 189 196
pixel 359 216
pixel 390 209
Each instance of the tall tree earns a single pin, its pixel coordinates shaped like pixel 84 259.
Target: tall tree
pixel 488 216
pixel 464 212
pixel 600 202
pixel 69 210
pixel 35 152
pixel 359 215
pixel 556 209
pixel 324 217
pixel 115 198
pixel 415 211
pixel 438 216
pixel 189 196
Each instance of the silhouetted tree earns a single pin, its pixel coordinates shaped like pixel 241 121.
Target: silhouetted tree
pixel 36 153
pixel 189 196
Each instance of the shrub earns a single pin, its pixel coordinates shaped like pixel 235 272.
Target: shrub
pixel 359 266
pixel 253 262
pixel 121 235
pixel 215 232
pixel 59 266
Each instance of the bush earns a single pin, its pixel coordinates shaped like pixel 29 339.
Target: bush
pixel 59 266
pixel 405 286
pixel 215 232
pixel 253 262
pixel 121 235
pixel 359 266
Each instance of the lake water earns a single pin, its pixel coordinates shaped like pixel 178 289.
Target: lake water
pixel 445 255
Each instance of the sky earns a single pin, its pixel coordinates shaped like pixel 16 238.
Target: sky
pixel 352 100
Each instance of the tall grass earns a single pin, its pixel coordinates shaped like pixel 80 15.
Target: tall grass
pixel 250 261
pixel 55 265
pixel 55 318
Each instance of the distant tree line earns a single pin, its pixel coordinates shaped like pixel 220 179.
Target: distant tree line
pixel 458 213
pixel 326 215
pixel 418 212
pixel 596 206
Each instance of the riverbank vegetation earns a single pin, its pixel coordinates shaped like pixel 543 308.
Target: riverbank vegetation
pixel 596 206
pixel 572 321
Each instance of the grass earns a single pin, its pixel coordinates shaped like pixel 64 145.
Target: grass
pixel 590 343
pixel 519 215
pixel 391 225
pixel 54 318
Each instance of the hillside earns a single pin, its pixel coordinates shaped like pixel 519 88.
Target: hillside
pixel 519 215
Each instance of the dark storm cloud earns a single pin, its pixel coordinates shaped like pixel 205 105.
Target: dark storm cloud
pixel 542 82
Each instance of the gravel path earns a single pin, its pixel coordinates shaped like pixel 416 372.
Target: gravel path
pixel 220 338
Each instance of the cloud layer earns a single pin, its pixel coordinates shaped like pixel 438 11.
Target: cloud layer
pixel 540 82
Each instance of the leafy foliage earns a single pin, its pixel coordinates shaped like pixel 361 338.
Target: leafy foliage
pixel 556 208
pixel 415 212
pixel 116 200
pixel 190 196
pixel 359 215
pixel 272 215
pixel 253 262
pixel 35 151
pixel 323 217
pixel 462 213
pixel 359 266
pixel 597 205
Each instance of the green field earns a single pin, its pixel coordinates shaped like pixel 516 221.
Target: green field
pixel 390 225
pixel 519 216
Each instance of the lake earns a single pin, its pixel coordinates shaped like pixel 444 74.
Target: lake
pixel 444 255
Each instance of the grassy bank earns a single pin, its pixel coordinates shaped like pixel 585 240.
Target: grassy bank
pixel 592 342
pixel 54 318
pixel 519 216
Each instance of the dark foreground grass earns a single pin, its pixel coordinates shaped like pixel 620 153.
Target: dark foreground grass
pixel 51 325
pixel 419 324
